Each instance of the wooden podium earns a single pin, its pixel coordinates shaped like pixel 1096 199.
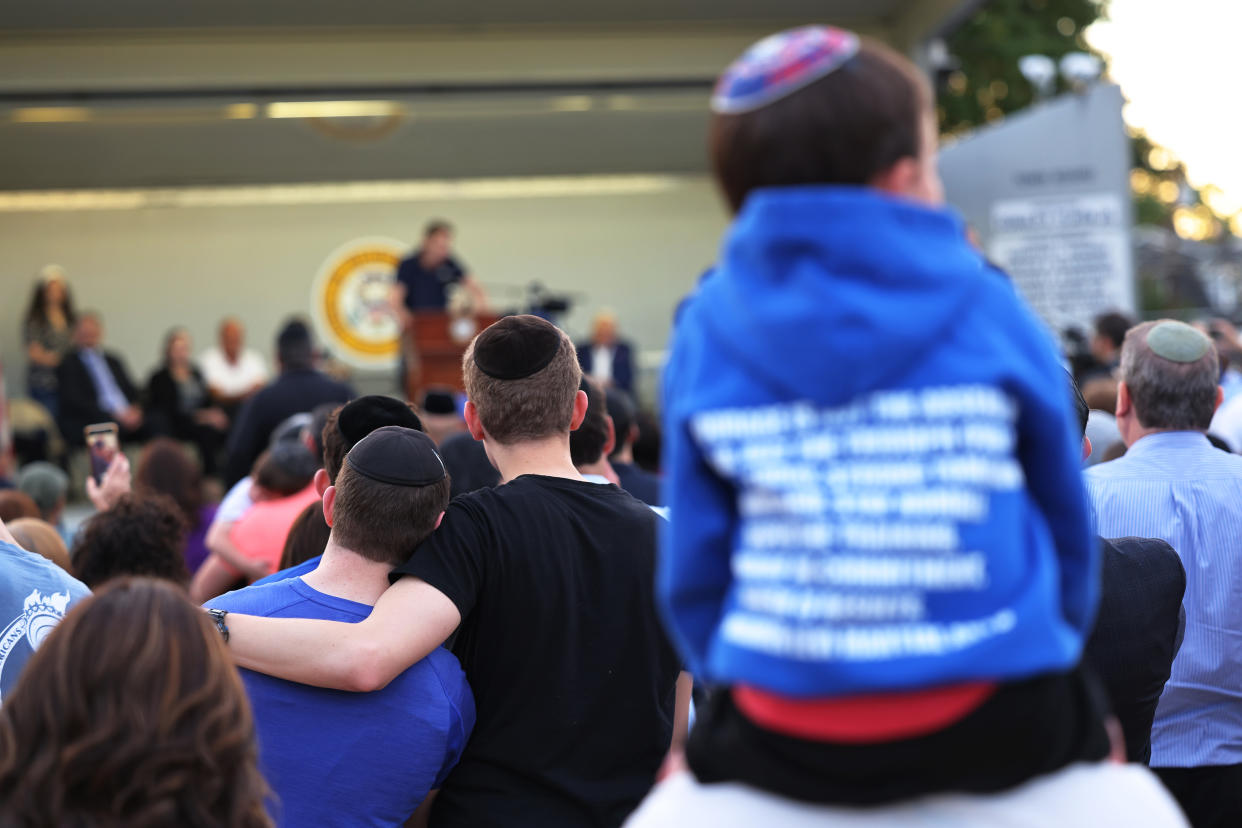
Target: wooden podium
pixel 434 344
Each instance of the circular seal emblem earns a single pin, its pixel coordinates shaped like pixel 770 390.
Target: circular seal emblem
pixel 350 302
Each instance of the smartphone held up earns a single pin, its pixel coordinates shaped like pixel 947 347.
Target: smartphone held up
pixel 102 444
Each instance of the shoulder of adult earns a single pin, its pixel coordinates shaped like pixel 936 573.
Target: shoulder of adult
pixel 257 599
pixel 1152 553
pixel 54 577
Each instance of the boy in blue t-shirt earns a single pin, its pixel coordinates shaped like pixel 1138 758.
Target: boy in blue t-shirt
pixel 339 758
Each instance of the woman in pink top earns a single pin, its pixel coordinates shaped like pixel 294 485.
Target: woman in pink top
pixel 282 485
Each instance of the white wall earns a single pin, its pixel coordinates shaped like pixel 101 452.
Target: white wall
pixel 152 268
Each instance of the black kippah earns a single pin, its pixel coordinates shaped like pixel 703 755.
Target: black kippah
pixel 360 417
pixel 397 456
pixel 516 347
pixel 437 401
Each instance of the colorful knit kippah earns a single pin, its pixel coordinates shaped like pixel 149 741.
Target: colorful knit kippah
pixel 1177 342
pixel 781 64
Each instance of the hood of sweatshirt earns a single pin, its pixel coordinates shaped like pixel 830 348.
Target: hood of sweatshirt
pixel 830 274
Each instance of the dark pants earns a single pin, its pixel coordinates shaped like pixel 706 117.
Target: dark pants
pixel 1210 795
pixel 1026 729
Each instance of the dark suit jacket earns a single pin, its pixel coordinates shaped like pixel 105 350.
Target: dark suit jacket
pixel 1138 631
pixel 643 485
pixel 622 363
pixel 163 405
pixel 79 399
pixel 293 392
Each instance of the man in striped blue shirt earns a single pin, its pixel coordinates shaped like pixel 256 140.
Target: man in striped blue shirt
pixel 1174 485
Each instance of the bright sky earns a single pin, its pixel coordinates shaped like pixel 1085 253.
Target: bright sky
pixel 1178 64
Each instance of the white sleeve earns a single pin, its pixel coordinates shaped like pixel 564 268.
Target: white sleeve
pixel 236 503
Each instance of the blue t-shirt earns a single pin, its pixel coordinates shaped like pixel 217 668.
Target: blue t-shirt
pixel 335 758
pixel 295 571
pixel 34 595
pixel 426 288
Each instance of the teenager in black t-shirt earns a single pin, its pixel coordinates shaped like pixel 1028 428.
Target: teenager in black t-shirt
pixel 551 580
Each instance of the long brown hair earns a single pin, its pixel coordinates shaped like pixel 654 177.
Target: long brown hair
pixel 308 536
pixel 130 714
pixel 165 467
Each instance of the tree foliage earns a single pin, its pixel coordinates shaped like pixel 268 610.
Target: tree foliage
pixel 986 85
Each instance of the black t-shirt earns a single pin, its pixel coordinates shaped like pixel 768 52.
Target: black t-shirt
pixel 573 677
pixel 426 287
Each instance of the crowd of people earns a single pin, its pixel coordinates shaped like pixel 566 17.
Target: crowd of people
pixel 880 575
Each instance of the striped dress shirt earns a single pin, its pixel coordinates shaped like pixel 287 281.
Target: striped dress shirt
pixel 1176 486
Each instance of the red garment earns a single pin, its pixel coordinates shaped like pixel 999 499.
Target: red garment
pixel 260 533
pixel 879 717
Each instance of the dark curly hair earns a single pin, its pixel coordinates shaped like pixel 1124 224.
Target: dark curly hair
pixel 140 535
pixel 130 714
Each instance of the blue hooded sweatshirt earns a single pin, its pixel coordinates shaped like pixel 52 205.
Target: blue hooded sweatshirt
pixel 872 459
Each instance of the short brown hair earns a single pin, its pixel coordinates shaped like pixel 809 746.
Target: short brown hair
pixel 845 128
pixel 333 445
pixel 383 522
pixel 284 469
pixel 131 713
pixel 530 408
pixel 587 443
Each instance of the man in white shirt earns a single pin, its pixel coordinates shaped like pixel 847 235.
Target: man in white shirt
pixel 607 358
pixel 232 372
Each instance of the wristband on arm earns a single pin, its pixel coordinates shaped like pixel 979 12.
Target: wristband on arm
pixel 217 615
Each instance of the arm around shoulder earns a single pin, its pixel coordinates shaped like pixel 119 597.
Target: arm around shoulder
pixel 410 620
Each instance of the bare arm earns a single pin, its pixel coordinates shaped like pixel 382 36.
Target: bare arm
pixel 213 578
pixel 410 620
pixel 39 355
pixel 477 297
pixel 396 298
pixel 221 545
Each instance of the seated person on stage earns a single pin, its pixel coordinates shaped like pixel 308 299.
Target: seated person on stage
pixel 342 429
pixel 642 484
pixel 94 386
pixel 232 371
pixel 549 579
pixel 178 405
pixel 346 759
pixel 885 564
pixel 606 358
pixel 281 486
